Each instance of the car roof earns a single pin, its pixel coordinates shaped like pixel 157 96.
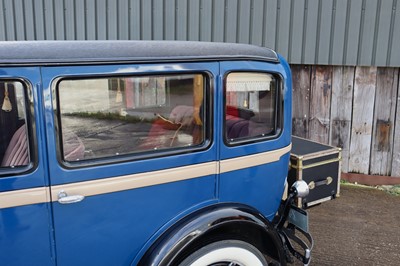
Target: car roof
pixel 89 52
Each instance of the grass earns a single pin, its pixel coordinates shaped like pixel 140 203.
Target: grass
pixel 346 183
pixel 392 190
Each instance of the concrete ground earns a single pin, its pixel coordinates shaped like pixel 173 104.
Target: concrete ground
pixel 361 227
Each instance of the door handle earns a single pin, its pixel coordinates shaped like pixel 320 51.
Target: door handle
pixel 63 198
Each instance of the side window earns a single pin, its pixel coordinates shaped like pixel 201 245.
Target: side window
pixel 14 142
pixel 251 109
pixel 117 116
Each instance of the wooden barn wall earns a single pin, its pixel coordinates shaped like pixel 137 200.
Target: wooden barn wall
pixel 314 32
pixel 355 108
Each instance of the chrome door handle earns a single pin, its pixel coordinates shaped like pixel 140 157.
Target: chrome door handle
pixel 63 198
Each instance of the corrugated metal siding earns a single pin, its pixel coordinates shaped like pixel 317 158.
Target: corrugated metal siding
pixel 334 32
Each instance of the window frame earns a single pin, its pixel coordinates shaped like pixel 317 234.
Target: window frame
pixel 30 124
pixel 278 112
pixel 135 156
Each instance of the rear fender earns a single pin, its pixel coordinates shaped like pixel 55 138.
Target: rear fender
pixel 210 224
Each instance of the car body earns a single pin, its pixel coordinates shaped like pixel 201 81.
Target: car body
pixel 136 152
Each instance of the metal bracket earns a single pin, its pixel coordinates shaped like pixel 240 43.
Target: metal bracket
pixel 287 232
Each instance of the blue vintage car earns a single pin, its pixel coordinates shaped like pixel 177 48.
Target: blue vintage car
pixel 146 153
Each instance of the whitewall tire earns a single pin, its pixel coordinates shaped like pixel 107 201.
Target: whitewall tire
pixel 226 252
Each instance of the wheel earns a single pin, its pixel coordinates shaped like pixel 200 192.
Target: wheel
pixel 226 252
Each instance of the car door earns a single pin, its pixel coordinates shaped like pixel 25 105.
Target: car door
pixel 133 151
pixel 256 132
pixel 25 211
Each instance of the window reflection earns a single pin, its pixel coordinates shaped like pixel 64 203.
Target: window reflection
pixel 108 117
pixel 250 105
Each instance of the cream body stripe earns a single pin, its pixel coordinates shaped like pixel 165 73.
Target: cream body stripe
pixel 252 160
pixel 127 182
pixel 24 197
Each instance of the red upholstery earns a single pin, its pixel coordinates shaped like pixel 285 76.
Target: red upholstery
pixel 163 132
pixel 17 150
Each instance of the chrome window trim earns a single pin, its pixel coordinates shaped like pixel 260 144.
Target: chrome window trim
pixel 208 100
pixel 30 121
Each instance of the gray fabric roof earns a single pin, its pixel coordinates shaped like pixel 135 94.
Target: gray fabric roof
pixel 81 52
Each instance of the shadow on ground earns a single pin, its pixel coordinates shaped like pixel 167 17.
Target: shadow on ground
pixel 361 227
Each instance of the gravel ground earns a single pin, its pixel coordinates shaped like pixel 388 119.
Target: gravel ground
pixel 361 227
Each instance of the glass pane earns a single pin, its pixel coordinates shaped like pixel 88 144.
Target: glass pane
pixel 250 105
pixel 14 145
pixel 108 117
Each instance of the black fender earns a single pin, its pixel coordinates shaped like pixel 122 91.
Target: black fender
pixel 214 223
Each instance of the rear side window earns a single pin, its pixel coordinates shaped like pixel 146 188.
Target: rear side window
pixel 14 141
pixel 251 106
pixel 117 116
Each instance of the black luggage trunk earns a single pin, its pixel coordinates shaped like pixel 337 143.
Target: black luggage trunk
pixel 318 165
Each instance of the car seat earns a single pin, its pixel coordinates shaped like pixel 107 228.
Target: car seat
pixel 17 151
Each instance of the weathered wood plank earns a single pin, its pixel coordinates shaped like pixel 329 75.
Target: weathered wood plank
pixel 366 126
pixel 363 111
pixel 341 109
pixel 301 99
pixel 396 145
pixel 320 103
pixel 384 116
